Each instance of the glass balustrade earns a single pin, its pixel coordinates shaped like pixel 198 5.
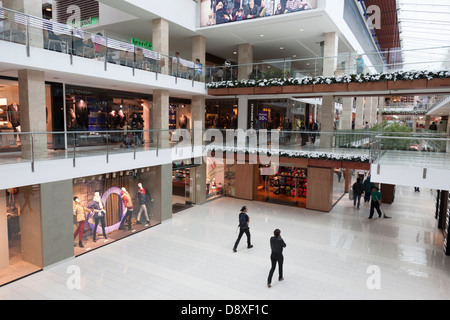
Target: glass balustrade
pixel 41 33
pixel 358 146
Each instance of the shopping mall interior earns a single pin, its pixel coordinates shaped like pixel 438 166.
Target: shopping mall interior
pixel 132 135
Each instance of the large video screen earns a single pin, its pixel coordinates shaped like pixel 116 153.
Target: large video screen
pixel 215 12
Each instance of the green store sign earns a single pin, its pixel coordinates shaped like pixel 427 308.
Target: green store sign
pixel 142 44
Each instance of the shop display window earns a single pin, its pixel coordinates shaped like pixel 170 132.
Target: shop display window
pixel 111 206
pixel 20 239
pixel 221 114
pixel 285 185
pixel 215 178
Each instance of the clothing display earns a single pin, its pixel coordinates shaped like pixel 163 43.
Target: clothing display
pixel 128 203
pixel 96 206
pixel 81 215
pixel 143 198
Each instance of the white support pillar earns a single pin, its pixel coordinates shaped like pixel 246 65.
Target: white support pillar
pixel 331 41
pixel 347 113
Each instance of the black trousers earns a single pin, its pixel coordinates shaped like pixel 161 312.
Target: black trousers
pixel 374 205
pixel 276 257
pixel 102 221
pixel 127 219
pixel 241 233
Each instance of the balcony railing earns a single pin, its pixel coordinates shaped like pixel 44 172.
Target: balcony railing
pixel 36 32
pixel 354 146
pixel 428 59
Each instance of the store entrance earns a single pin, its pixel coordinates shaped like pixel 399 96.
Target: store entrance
pixel 283 185
pixel 182 185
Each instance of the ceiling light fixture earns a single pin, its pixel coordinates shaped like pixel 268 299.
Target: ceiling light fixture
pixel 281 48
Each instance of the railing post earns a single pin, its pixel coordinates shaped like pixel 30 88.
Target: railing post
pixel 157 143
pixel 32 152
pixel 71 47
pixel 106 54
pixel 28 36
pixel 74 148
pixel 107 148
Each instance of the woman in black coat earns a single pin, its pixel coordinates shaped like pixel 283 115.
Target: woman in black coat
pixel 276 244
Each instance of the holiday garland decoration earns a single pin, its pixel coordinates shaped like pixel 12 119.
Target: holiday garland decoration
pixel 291 153
pixel 352 78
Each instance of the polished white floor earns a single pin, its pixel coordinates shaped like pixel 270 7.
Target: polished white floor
pixel 328 256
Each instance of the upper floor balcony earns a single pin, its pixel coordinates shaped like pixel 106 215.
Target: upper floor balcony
pixel 68 53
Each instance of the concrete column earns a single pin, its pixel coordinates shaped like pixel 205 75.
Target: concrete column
pixel 347 113
pixel 32 113
pixel 326 119
pixel 147 105
pixel 367 111
pixel 331 41
pixel 160 41
pixel 162 190
pixel 245 60
pixel 374 110
pixel 199 52
pixel 160 117
pixel 359 116
pixel 381 107
pixel 57 221
pixel 243 113
pixel 4 243
pixel 199 173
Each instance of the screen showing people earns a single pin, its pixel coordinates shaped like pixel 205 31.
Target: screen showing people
pixel 214 12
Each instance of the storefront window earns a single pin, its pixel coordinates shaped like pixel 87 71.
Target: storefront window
pixel 93 110
pixel 110 206
pixel 215 178
pixel 221 114
pixel 20 241
pixel 281 114
pixel 284 185
pixel 182 184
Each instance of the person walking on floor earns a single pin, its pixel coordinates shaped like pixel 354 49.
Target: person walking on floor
pixel 276 245
pixel 367 189
pixel 358 190
pixel 243 226
pixel 375 203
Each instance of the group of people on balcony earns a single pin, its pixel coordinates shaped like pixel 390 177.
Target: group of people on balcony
pixel 238 10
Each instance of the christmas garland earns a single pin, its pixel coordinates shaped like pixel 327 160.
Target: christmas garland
pixel 352 78
pixel 292 154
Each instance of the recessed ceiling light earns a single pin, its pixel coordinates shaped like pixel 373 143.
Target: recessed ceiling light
pixel 234 52
pixel 281 48
pixel 261 35
pixel 294 56
pixel 301 30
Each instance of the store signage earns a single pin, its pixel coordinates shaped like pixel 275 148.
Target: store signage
pixel 141 43
pixel 263 116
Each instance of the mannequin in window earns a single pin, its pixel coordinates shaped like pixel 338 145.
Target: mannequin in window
pixel 96 206
pixel 183 121
pixel 128 203
pixel 82 114
pixel 143 197
pixel 81 214
pixel 14 117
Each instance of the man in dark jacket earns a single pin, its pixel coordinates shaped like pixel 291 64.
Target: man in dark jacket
pixel 244 221
pixel 251 10
pixel 358 190
pixel 276 244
